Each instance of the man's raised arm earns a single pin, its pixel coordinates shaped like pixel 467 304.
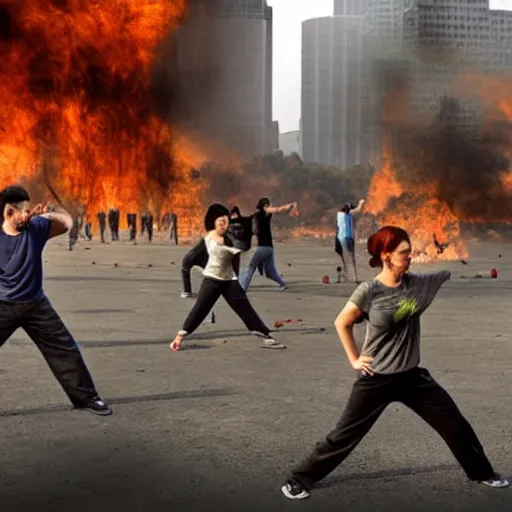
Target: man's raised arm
pixel 62 222
pixel 290 207
pixel 358 208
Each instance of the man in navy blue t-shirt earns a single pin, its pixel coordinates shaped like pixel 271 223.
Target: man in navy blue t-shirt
pixel 23 303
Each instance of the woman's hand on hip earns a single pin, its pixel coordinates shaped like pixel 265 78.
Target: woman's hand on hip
pixel 363 364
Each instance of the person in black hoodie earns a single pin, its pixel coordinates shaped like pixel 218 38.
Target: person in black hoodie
pixel 240 234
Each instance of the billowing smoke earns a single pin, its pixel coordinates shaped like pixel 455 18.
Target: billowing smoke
pixel 94 95
pixel 459 154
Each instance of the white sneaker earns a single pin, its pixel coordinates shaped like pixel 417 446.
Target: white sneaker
pixel 267 341
pixel 496 482
pixel 272 343
pixel 188 295
pixel 283 288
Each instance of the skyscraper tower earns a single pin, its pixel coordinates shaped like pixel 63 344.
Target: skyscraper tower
pixel 349 7
pixel 224 61
pixel 332 123
pixel 466 36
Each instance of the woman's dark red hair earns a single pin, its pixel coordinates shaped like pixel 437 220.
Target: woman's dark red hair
pixel 387 239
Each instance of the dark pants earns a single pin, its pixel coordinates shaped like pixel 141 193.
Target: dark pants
pixel 173 235
pixel 369 397
pixel 196 257
pixel 44 326
pixel 73 239
pixel 88 231
pixel 133 232
pixel 102 233
pixel 209 294
pixel 262 256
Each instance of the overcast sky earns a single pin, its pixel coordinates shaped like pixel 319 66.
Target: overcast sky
pixel 288 18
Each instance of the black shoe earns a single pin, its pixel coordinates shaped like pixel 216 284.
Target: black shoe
pixel 97 406
pixel 294 490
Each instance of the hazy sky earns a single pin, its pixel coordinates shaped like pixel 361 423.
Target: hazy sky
pixel 288 18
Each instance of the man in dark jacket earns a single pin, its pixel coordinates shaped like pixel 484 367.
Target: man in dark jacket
pixel 113 221
pixel 240 233
pixel 102 220
pixel 131 220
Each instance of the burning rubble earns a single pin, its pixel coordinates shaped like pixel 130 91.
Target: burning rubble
pixel 436 177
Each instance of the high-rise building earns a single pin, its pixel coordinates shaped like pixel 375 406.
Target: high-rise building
pixel 224 55
pixel 475 33
pixel 382 34
pixel 349 7
pixel 381 17
pixel 453 36
pixel 332 57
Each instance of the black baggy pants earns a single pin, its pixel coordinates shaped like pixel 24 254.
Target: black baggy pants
pixel 369 397
pixel 209 294
pixel 196 257
pixel 46 329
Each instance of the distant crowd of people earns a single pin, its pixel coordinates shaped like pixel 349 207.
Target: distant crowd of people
pixel 83 229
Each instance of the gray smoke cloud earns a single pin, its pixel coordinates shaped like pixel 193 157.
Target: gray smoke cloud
pixel 462 152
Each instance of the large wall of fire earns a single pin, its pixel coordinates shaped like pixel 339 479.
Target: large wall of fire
pixel 80 108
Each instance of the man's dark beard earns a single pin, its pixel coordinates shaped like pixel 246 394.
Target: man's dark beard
pixel 22 226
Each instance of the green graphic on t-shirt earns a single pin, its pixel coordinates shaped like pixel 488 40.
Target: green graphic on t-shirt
pixel 406 308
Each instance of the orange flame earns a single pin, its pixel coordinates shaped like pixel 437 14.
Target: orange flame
pixel 75 95
pixel 419 212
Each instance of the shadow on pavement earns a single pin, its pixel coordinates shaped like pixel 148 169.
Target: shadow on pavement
pixel 176 395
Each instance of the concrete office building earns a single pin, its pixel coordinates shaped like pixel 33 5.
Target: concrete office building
pixel 332 59
pixel 224 55
pixel 349 7
pixel 466 35
pixel 289 142
pixel 429 42
pixel 382 41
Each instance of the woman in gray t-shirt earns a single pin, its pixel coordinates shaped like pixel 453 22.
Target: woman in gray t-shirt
pixel 388 368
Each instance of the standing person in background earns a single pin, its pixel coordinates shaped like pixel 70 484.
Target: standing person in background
pixel 165 223
pixel 262 228
pixel 173 231
pixel 131 220
pixel 112 223
pixel 102 220
pixel 74 232
pixel 88 230
pixel 345 243
pixel 149 225
pixel 81 221
pixel 117 218
pixel 240 234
